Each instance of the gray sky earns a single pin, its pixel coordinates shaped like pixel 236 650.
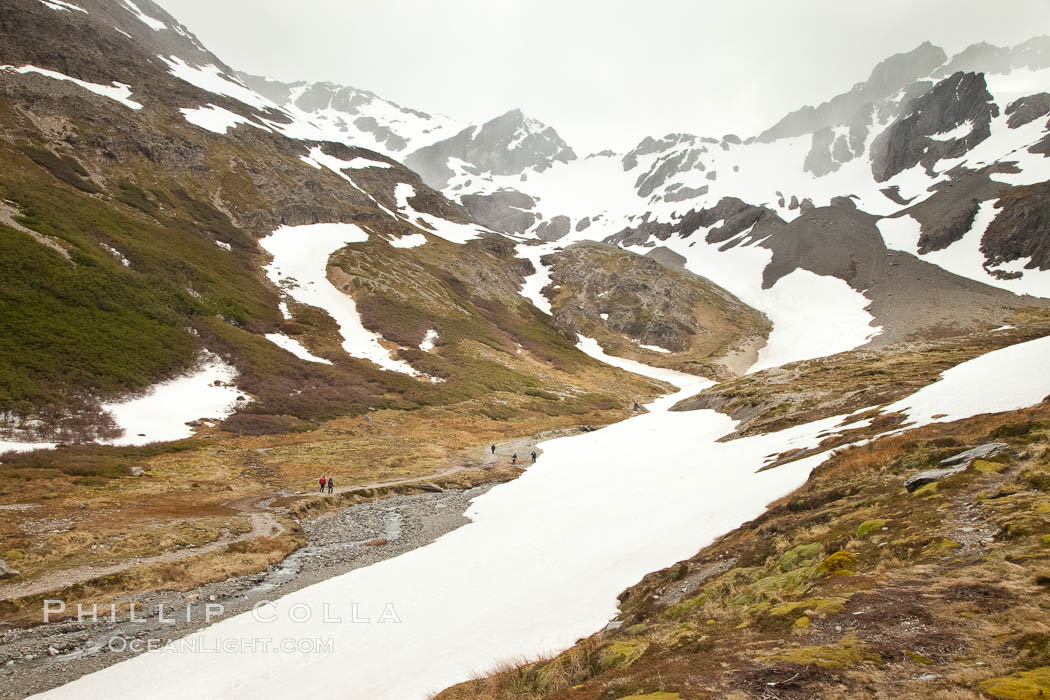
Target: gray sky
pixel 604 73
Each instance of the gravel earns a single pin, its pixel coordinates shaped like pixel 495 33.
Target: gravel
pixel 36 659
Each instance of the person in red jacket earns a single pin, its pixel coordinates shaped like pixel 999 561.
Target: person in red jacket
pixel 322 481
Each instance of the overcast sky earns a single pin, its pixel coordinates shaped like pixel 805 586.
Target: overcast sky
pixel 604 73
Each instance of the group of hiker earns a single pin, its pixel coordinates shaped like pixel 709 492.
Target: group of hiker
pixel 514 457
pixel 328 482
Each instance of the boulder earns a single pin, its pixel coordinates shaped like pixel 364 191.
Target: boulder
pixel 985 451
pixel 378 542
pixel 6 571
pixel 956 464
pixel 431 487
pixel 137 471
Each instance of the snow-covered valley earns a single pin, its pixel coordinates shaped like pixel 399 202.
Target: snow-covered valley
pixel 543 559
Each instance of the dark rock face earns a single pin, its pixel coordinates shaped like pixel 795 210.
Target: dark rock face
pixel 666 256
pixel 909 141
pixel 737 217
pixel 503 211
pixel 553 230
pixel 888 77
pixel 948 214
pixel 506 145
pixel 603 287
pixel 681 194
pixel 1028 109
pixel 820 161
pixel 1020 228
pixel 1034 54
pixel 844 242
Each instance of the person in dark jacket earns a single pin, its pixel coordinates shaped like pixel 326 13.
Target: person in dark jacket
pixel 493 448
pixel 514 458
pixel 534 456
pixel 331 484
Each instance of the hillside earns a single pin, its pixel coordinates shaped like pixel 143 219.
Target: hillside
pixel 640 424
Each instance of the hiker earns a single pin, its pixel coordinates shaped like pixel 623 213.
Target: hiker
pixel 493 449
pixel 534 456
pixel 514 458
pixel 322 484
pixel 331 484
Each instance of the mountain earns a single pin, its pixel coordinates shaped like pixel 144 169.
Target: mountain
pixel 161 219
pixel 218 287
pixel 357 117
pixel 930 162
pixel 506 145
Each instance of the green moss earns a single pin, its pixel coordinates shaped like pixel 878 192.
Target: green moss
pixel 837 564
pixel 988 467
pixel 1025 685
pixel 942 546
pixel 849 653
pixel 795 556
pixel 919 658
pixel 802 622
pixel 621 654
pixel 869 525
pixel 926 490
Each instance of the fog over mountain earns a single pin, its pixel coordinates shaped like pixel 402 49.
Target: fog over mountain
pixel 605 76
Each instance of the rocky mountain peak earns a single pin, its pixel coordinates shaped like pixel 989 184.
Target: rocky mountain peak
pixel 890 76
pixel 506 145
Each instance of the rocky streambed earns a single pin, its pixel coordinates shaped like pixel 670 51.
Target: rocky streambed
pixel 39 658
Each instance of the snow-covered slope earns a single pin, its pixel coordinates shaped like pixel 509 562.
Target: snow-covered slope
pixel 356 117
pixel 941 151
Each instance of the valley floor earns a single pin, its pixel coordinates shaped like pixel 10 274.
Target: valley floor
pixel 602 508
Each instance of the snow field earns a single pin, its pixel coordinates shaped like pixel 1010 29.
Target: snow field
pixel 118 92
pixel 300 267
pixel 162 412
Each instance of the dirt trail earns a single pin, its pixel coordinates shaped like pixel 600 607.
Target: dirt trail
pixel 264 524
pixel 264 521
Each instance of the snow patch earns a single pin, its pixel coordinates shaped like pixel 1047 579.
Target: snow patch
pixel 300 267
pixel 412 240
pixel 218 120
pixel 118 92
pixel 1004 380
pixel 225 246
pixel 450 231
pixel 9 446
pixel 154 24
pixel 429 341
pixel 534 284
pixel 211 79
pixel 162 413
pixel 62 5
pixel 117 254
pixel 295 347
pixel 654 348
